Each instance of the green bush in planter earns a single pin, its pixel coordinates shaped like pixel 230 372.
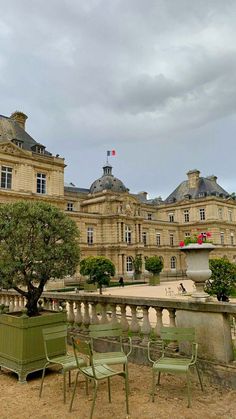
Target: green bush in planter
pixel 154 265
pixel 223 279
pixel 38 242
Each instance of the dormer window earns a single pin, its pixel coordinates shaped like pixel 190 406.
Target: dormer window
pixel 17 142
pixel 38 148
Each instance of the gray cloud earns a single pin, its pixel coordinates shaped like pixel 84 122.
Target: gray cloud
pixel 154 80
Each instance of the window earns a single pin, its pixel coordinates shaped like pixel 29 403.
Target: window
pixel 39 149
pixel 222 237
pixel 171 217
pixel 17 142
pixel 149 216
pixel 70 206
pixel 186 216
pixel 187 234
pixel 128 234
pixel 173 262
pixel 90 235
pixel 232 238
pixel 41 183
pixel 220 213
pixel 129 264
pixel 202 214
pixel 144 236
pixel 158 239
pixel 171 239
pixel 6 177
pixel 230 215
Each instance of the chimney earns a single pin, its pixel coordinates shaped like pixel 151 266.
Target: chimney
pixel 213 178
pixel 20 118
pixel 193 177
pixel 143 195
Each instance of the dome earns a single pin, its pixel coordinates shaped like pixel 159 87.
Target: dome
pixel 107 181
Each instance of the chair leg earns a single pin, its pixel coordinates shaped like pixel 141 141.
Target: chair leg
pixel 159 378
pixel 127 392
pixel 188 386
pixel 94 398
pixel 153 385
pixel 73 395
pixel 109 389
pixel 64 386
pixel 42 380
pixel 69 378
pixel 199 377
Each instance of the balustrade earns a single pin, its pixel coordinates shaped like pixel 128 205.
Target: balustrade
pixel 137 316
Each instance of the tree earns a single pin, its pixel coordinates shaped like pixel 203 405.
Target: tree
pixel 137 264
pixel 223 278
pixel 38 242
pixel 154 265
pixel 99 269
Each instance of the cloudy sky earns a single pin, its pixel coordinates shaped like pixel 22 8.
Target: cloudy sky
pixel 155 80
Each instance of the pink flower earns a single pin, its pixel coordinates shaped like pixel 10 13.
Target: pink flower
pixel 199 240
pixel 208 234
pixel 181 244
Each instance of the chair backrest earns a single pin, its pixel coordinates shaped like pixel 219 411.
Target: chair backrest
pixel 51 338
pixel 84 348
pixel 104 330
pixel 179 334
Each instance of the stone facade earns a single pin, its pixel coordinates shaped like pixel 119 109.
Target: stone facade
pixel 112 221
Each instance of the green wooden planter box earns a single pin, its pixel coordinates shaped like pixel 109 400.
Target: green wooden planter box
pixel 21 341
pixel 154 280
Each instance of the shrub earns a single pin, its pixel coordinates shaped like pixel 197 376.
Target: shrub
pixel 223 278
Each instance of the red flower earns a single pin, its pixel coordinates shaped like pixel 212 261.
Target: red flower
pixel 200 236
pixel 181 244
pixel 208 234
pixel 199 240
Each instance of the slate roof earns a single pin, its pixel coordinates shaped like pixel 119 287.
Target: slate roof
pixel 10 129
pixel 206 186
pixel 70 187
pixel 108 181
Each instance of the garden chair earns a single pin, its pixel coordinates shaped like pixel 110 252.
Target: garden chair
pixel 97 331
pixel 66 361
pixel 95 373
pixel 177 364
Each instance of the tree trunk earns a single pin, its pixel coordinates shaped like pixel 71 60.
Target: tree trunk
pixel 32 302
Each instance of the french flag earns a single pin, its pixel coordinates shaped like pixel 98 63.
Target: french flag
pixel 111 153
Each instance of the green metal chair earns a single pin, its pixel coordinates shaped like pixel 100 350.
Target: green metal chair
pixel 176 364
pixel 97 331
pixel 67 362
pixel 95 373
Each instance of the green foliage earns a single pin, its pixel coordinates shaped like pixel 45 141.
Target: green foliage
pixel 154 265
pixel 223 278
pixel 37 242
pixel 137 264
pixel 99 269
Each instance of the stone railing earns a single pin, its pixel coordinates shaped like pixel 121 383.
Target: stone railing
pixel 142 317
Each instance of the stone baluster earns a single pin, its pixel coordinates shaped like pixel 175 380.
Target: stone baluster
pixel 123 321
pixel 17 303
pixel 86 315
pixel 21 302
pixel 78 314
pixel 134 325
pixel 2 299
pixel 46 303
pixel 56 305
pixel 173 345
pixel 7 300
pixel 159 323
pixel 11 304
pixel 104 318
pixel 70 314
pixel 146 326
pixel 94 319
pixel 114 319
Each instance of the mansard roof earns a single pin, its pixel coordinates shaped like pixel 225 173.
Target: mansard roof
pixel 12 130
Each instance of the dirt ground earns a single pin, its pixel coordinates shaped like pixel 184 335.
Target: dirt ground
pixel 21 401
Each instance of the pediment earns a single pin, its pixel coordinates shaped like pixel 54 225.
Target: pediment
pixel 9 148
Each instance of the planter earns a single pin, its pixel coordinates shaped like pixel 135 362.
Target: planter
pixel 154 280
pixel 21 341
pixel 197 258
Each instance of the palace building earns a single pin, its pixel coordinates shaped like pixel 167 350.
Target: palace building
pixel 113 221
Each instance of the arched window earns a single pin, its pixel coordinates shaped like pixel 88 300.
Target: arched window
pixel 173 262
pixel 129 264
pixel 128 234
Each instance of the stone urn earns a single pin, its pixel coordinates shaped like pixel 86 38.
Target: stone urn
pixel 197 258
